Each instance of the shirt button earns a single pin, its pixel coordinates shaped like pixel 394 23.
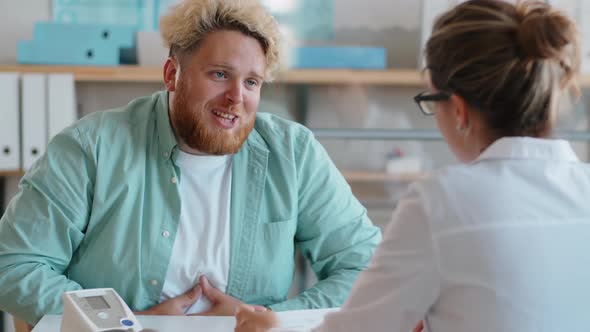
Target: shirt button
pixel 166 234
pixel 174 180
pixel 154 282
pixel 166 154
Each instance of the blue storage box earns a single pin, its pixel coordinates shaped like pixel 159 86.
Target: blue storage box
pixel 332 57
pixel 79 44
pixel 121 35
pixel 64 53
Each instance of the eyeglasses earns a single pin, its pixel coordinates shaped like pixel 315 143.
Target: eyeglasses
pixel 426 101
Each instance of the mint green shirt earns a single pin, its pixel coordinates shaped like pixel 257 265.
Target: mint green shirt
pixel 93 210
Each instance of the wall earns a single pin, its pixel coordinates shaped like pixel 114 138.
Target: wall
pixel 16 18
pixel 392 24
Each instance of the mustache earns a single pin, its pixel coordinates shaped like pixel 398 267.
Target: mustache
pixel 237 109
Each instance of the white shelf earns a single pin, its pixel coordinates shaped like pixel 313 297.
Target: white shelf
pixel 142 74
pixel 350 176
pixel 153 74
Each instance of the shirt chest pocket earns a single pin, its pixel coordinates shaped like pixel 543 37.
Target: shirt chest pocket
pixel 274 257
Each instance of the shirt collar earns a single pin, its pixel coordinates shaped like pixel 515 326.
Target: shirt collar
pixel 166 136
pixel 529 148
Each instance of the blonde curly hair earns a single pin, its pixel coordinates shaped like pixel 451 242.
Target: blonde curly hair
pixel 189 22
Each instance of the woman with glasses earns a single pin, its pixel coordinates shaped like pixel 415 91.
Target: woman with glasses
pixel 498 243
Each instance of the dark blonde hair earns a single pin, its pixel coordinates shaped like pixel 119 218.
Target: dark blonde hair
pixel 189 22
pixel 510 62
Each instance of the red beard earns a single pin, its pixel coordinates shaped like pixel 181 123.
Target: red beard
pixel 190 126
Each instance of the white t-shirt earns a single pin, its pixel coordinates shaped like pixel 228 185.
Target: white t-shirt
pixel 202 243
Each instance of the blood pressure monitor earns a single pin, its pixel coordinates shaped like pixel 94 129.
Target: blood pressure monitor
pixel 97 310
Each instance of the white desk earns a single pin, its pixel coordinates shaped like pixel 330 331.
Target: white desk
pixel 293 319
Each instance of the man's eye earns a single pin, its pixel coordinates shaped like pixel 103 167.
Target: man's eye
pixel 219 74
pixel 251 83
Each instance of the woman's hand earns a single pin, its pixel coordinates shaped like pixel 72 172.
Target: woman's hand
pixel 255 319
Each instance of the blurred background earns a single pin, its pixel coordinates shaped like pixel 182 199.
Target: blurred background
pixel 352 70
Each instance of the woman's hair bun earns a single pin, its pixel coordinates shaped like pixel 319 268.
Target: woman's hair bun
pixel 544 32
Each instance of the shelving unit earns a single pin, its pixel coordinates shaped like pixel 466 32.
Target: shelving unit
pixel 18 173
pixel 414 134
pixel 301 79
pixel 139 74
pixel 145 74
pixel 351 176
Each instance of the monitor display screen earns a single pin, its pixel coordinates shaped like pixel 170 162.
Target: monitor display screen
pixel 97 302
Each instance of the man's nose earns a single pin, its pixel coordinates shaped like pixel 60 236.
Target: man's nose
pixel 234 93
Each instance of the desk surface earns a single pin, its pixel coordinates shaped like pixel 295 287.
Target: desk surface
pixel 301 319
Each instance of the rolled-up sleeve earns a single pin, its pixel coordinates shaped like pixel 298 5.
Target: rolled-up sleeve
pixel 42 227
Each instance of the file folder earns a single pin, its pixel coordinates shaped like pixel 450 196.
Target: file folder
pixel 122 36
pixel 65 52
pixel 584 26
pixel 78 44
pixel 61 101
pixel 331 57
pixel 9 122
pixel 34 117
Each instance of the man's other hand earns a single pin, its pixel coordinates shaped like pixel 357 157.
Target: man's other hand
pixel 222 304
pixel 175 306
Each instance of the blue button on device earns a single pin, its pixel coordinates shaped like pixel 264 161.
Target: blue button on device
pixel 127 322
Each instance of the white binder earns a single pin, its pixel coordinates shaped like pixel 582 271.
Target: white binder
pixel 34 117
pixel 61 103
pixel 584 26
pixel 9 122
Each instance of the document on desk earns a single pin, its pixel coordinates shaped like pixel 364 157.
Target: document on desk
pixel 302 320
pixel 52 323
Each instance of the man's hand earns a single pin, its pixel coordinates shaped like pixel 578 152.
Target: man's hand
pixel 175 306
pixel 222 304
pixel 255 319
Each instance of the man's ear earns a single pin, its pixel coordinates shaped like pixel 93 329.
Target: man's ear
pixel 461 111
pixel 171 68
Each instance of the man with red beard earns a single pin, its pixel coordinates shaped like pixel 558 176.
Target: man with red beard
pixel 187 201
